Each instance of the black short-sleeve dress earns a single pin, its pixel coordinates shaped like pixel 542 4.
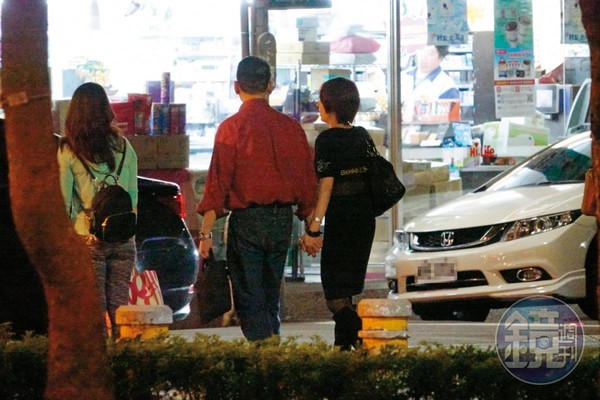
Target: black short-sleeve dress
pixel 349 222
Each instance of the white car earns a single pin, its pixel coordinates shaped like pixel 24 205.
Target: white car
pixel 520 234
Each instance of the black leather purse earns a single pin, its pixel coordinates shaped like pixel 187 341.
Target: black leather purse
pixel 383 184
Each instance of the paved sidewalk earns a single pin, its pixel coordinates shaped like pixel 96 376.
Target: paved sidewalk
pixel 446 333
pixel 302 300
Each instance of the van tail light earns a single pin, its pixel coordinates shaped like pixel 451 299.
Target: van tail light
pixel 175 203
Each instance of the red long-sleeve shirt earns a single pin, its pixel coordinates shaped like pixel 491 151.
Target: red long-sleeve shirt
pixel 260 156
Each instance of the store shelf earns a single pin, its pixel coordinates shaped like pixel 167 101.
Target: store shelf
pixel 521 151
pixel 411 152
pixel 418 152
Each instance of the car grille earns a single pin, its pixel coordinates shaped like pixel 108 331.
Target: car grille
pixel 455 239
pixel 463 279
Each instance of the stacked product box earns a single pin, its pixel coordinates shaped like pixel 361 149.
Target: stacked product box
pixel 428 185
pixel 146 149
pixel 160 141
pixel 306 52
pixel 133 115
pixel 307 28
pixel 168 119
pixel 318 75
pixel 162 151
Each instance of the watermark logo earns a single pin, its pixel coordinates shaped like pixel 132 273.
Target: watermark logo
pixel 540 340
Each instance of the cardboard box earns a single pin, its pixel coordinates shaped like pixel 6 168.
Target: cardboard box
pixel 302 58
pixel 142 106
pixel 418 190
pixel 146 148
pixel 415 165
pixel 173 151
pixel 352 58
pixel 440 171
pixel 320 75
pixel 124 116
pixel 309 34
pixel 418 178
pixel 307 46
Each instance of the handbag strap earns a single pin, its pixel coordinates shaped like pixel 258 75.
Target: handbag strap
pixel 371 148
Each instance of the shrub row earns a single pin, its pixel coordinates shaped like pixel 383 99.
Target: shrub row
pixel 209 368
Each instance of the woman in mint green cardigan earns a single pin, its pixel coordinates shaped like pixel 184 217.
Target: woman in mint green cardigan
pixel 92 135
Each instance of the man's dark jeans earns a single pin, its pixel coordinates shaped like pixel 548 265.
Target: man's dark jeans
pixel 257 245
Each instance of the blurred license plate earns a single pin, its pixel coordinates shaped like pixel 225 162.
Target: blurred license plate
pixel 436 270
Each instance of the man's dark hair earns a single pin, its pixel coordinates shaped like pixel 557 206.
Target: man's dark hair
pixel 253 75
pixel 442 51
pixel 340 96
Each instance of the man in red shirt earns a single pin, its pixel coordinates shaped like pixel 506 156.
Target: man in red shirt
pixel 261 167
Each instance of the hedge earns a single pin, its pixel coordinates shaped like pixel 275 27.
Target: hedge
pixel 210 368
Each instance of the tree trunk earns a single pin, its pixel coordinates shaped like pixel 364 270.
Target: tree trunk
pixel 78 366
pixel 590 10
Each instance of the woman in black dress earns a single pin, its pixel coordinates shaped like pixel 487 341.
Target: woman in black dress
pixel 341 165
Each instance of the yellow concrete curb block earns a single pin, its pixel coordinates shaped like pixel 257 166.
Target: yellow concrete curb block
pixel 384 322
pixel 373 340
pixel 384 308
pixel 143 322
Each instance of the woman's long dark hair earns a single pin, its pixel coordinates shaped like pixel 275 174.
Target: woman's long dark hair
pixel 89 126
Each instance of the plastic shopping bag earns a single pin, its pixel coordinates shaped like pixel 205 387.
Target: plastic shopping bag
pixel 144 289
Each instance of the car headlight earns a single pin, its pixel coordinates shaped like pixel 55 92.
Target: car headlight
pixel 533 226
pixel 401 238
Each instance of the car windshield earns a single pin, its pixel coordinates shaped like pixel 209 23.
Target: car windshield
pixel 563 162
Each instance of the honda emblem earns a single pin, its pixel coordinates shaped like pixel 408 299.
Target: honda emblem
pixel 447 239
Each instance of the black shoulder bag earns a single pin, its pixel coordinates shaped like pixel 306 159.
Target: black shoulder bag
pixel 383 184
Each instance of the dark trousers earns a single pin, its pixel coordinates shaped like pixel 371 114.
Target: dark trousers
pixel 257 244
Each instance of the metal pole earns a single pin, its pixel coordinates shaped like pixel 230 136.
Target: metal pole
pixel 245 28
pixel 394 117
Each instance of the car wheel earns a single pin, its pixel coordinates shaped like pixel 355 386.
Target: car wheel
pixel 589 305
pixel 452 312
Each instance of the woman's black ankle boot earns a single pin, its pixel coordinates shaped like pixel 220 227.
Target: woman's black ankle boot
pixel 347 325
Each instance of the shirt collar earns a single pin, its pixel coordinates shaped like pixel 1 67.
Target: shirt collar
pixel 432 75
pixel 254 102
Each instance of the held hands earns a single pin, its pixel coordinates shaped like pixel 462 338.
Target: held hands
pixel 311 245
pixel 205 246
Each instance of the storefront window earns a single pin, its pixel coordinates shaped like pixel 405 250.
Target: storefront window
pixel 315 45
pixel 501 95
pixel 445 145
pixel 127 46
